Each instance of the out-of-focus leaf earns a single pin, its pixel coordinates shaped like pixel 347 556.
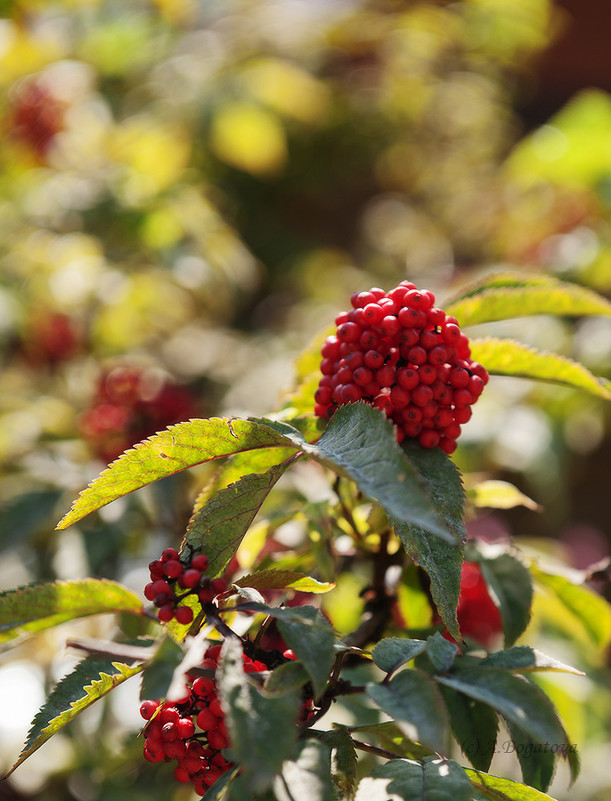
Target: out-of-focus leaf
pixel 558 298
pixel 159 671
pixel 91 679
pixel 496 494
pixel 27 610
pixel 589 608
pixel 177 448
pixel 343 761
pixel 308 776
pixel 511 583
pixel 286 677
pixel 433 779
pixel 509 357
pixel 24 514
pixel 414 703
pixel 523 658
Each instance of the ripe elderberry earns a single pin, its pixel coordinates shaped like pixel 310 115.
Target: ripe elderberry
pixel 400 353
pixel 174 578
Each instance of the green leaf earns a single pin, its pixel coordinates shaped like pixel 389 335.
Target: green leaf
pixel 177 448
pixel 494 494
pixel 360 443
pixel 309 634
pixel 220 788
pixel 441 652
pixel 159 671
pixel 501 303
pixel 392 652
pixel 392 739
pixel 514 697
pixel 286 678
pixel 440 559
pixel 584 606
pixel 433 779
pixel 496 788
pixel 523 658
pixel 219 526
pixel 510 581
pixel 262 730
pixel 271 579
pixel 500 279
pixel 27 610
pixel 509 357
pixel 308 776
pixel 344 761
pixel 474 725
pixel 414 703
pixel 537 761
pixel 91 679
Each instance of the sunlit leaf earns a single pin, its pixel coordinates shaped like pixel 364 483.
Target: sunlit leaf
pixel 283 579
pixel 495 788
pixel 509 357
pixel 36 607
pixel 92 679
pixel 524 659
pixel 308 776
pixel 497 494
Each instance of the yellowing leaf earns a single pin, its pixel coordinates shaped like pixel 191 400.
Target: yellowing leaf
pixel 249 138
pixel 508 357
pixel 496 494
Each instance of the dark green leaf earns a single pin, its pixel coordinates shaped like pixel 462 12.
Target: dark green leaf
pixel 262 731
pixel 30 609
pixel 392 652
pixel 177 448
pixel 415 704
pixel 474 725
pixel 308 776
pixel 494 788
pixel 514 697
pixel 390 737
pixel 440 559
pixel 523 658
pixel 537 760
pixel 220 788
pixel 441 652
pixel 91 679
pixel 360 443
pixel 510 581
pixel 286 678
pixel 433 779
pixel 159 671
pixel 508 357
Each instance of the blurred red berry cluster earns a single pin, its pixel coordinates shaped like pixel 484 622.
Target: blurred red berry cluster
pixel 479 618
pixel 131 404
pixel 37 115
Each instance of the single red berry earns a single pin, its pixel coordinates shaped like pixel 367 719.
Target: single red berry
pixel 350 393
pixel 459 377
pixel 218 585
pixel 190 578
pixel 373 359
pixel 463 414
pixel 450 333
pixel 156 569
pixel 172 568
pixel 181 774
pixel 373 313
pixel 385 376
pixel 418 299
pixel 362 376
pixel 417 355
pixel 183 615
pixel 330 349
pixel 427 374
pixel 206 720
pixel 165 613
pixel 447 445
pixel 400 397
pixel 200 562
pixel 169 553
pixel 412 317
pixel 390 326
pixel 411 414
pixel 407 378
pixel 369 340
pixel 438 355
pixel 148 709
pixel 348 332
pixel 422 395
pixel 428 438
pixel 323 396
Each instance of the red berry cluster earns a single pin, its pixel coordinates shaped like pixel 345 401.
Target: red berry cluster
pixel 131 404
pixel 38 115
pixel 479 618
pixel 173 579
pixel 397 351
pixel 192 729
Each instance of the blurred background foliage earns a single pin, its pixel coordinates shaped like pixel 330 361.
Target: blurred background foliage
pixel 191 189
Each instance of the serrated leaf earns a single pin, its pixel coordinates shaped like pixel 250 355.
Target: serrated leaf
pixel 537 762
pixel 440 559
pixel 591 610
pixel 308 776
pixel 433 779
pixel 501 303
pixel 344 761
pixel 414 703
pixel 495 788
pixel 474 726
pixel 513 697
pixel 392 652
pixel 496 494
pixel 220 524
pixel 360 443
pixel 262 730
pixel 523 658
pixel 36 607
pixel 271 579
pixel 511 583
pixel 509 357
pixel 177 448
pixel 440 652
pixel 91 679
pixel 500 279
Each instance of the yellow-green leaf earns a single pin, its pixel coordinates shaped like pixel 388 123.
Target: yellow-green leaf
pixel 496 494
pixel 508 357
pixel 284 579
pixel 27 610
